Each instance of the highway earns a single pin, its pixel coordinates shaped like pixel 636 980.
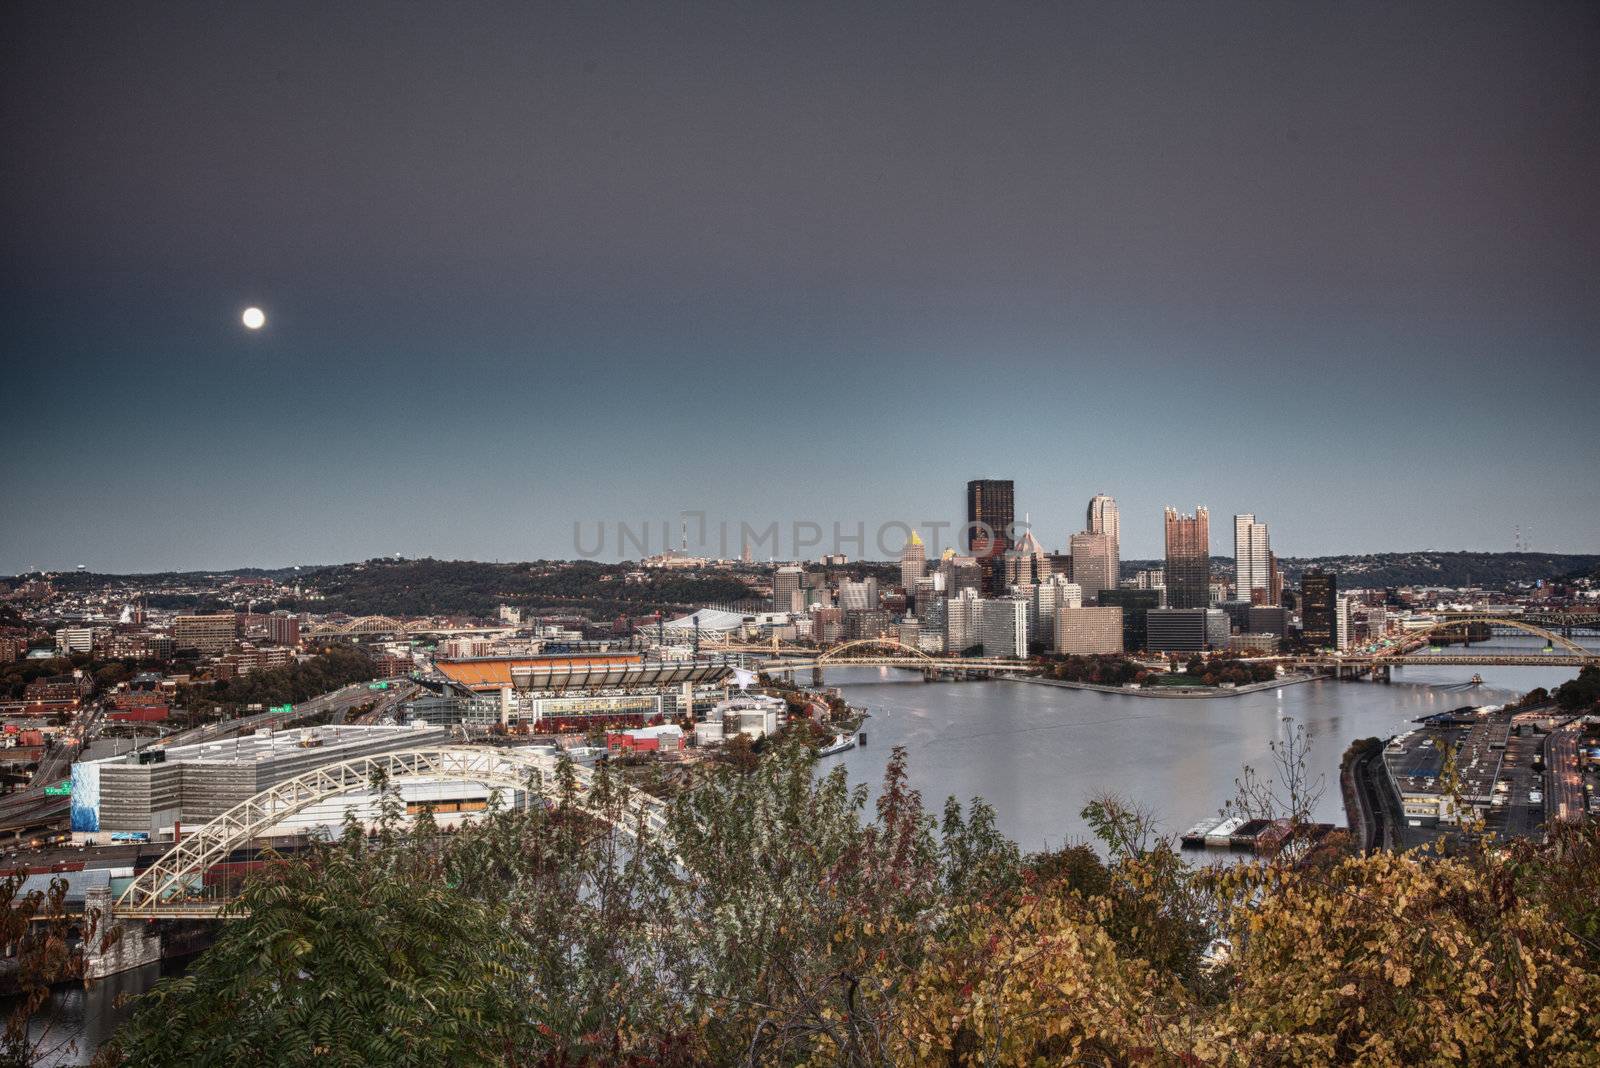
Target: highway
pixel 1379 807
pixel 338 702
pixel 31 808
pixel 1564 792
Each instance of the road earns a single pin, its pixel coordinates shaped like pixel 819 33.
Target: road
pixel 1564 791
pixel 1380 808
pixel 31 807
pixel 338 702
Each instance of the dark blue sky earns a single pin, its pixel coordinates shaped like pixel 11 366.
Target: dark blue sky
pixel 526 266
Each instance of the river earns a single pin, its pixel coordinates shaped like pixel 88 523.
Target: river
pixel 1037 753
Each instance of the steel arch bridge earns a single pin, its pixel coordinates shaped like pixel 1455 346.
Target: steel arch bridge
pixel 891 652
pixel 1418 638
pixel 363 625
pixel 835 654
pixel 157 892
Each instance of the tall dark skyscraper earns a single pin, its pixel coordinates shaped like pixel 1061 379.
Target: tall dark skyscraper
pixel 1319 595
pixel 992 503
pixel 1188 559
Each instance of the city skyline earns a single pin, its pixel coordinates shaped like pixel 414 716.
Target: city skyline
pixel 792 265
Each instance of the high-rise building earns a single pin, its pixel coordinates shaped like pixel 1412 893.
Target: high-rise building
pixel 866 623
pixel 858 596
pixel 1049 597
pixel 1027 564
pixel 210 635
pixel 1268 619
pixel 991 513
pixel 1134 604
pixel 1094 563
pixel 1103 518
pixel 786 589
pixel 1319 595
pixel 283 629
pixel 913 561
pixel 1252 560
pixel 1004 627
pixel 1188 559
pixel 1089 631
pixel 1186 630
pixel 960 573
pixel 1151 578
pixel 963 622
pixel 1273 594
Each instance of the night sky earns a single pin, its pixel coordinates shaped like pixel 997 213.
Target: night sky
pixel 1336 264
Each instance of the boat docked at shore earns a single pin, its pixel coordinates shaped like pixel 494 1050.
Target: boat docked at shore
pixel 840 743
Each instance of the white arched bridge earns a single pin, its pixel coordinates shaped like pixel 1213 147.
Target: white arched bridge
pixel 168 888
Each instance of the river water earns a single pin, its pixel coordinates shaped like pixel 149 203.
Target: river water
pixel 1037 753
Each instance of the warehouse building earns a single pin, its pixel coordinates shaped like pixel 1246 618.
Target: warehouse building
pixel 150 795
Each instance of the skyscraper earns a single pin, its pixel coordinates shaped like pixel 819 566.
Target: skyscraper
pixel 858 596
pixel 1188 559
pixel 1252 560
pixel 787 583
pixel 991 511
pixel 1028 563
pixel 963 622
pixel 960 573
pixel 913 562
pixel 1103 518
pixel 1003 627
pixel 1094 563
pixel 1048 598
pixel 1319 595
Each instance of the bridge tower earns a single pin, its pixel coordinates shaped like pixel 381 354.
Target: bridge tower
pixel 110 947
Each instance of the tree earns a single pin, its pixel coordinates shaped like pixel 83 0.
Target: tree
pixel 780 920
pixel 367 958
pixel 36 932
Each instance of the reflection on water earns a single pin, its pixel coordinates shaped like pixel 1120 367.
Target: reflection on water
pixel 1037 753
pixel 79 1020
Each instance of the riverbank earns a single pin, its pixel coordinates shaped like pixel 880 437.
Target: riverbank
pixel 1186 692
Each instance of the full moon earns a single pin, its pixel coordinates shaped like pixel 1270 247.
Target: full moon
pixel 254 318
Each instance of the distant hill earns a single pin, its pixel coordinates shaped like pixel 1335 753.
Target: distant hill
pixel 466 587
pixel 94 580
pixel 1426 568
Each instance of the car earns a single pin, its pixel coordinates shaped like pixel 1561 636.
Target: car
pixel 1535 796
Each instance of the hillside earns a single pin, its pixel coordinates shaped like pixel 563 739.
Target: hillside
pixel 1425 568
pixel 465 587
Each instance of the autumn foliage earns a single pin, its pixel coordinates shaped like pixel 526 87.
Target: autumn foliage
pixel 787 921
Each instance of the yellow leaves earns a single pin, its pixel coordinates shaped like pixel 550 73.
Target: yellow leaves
pixel 1348 990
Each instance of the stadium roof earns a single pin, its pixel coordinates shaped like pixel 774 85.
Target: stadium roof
pixel 714 620
pixel 580 673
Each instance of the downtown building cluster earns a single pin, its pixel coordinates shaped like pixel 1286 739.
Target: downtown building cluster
pixel 1000 593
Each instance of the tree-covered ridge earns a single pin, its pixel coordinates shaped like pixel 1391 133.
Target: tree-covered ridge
pixel 1423 568
pixel 464 587
pixel 784 922
pixel 330 670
